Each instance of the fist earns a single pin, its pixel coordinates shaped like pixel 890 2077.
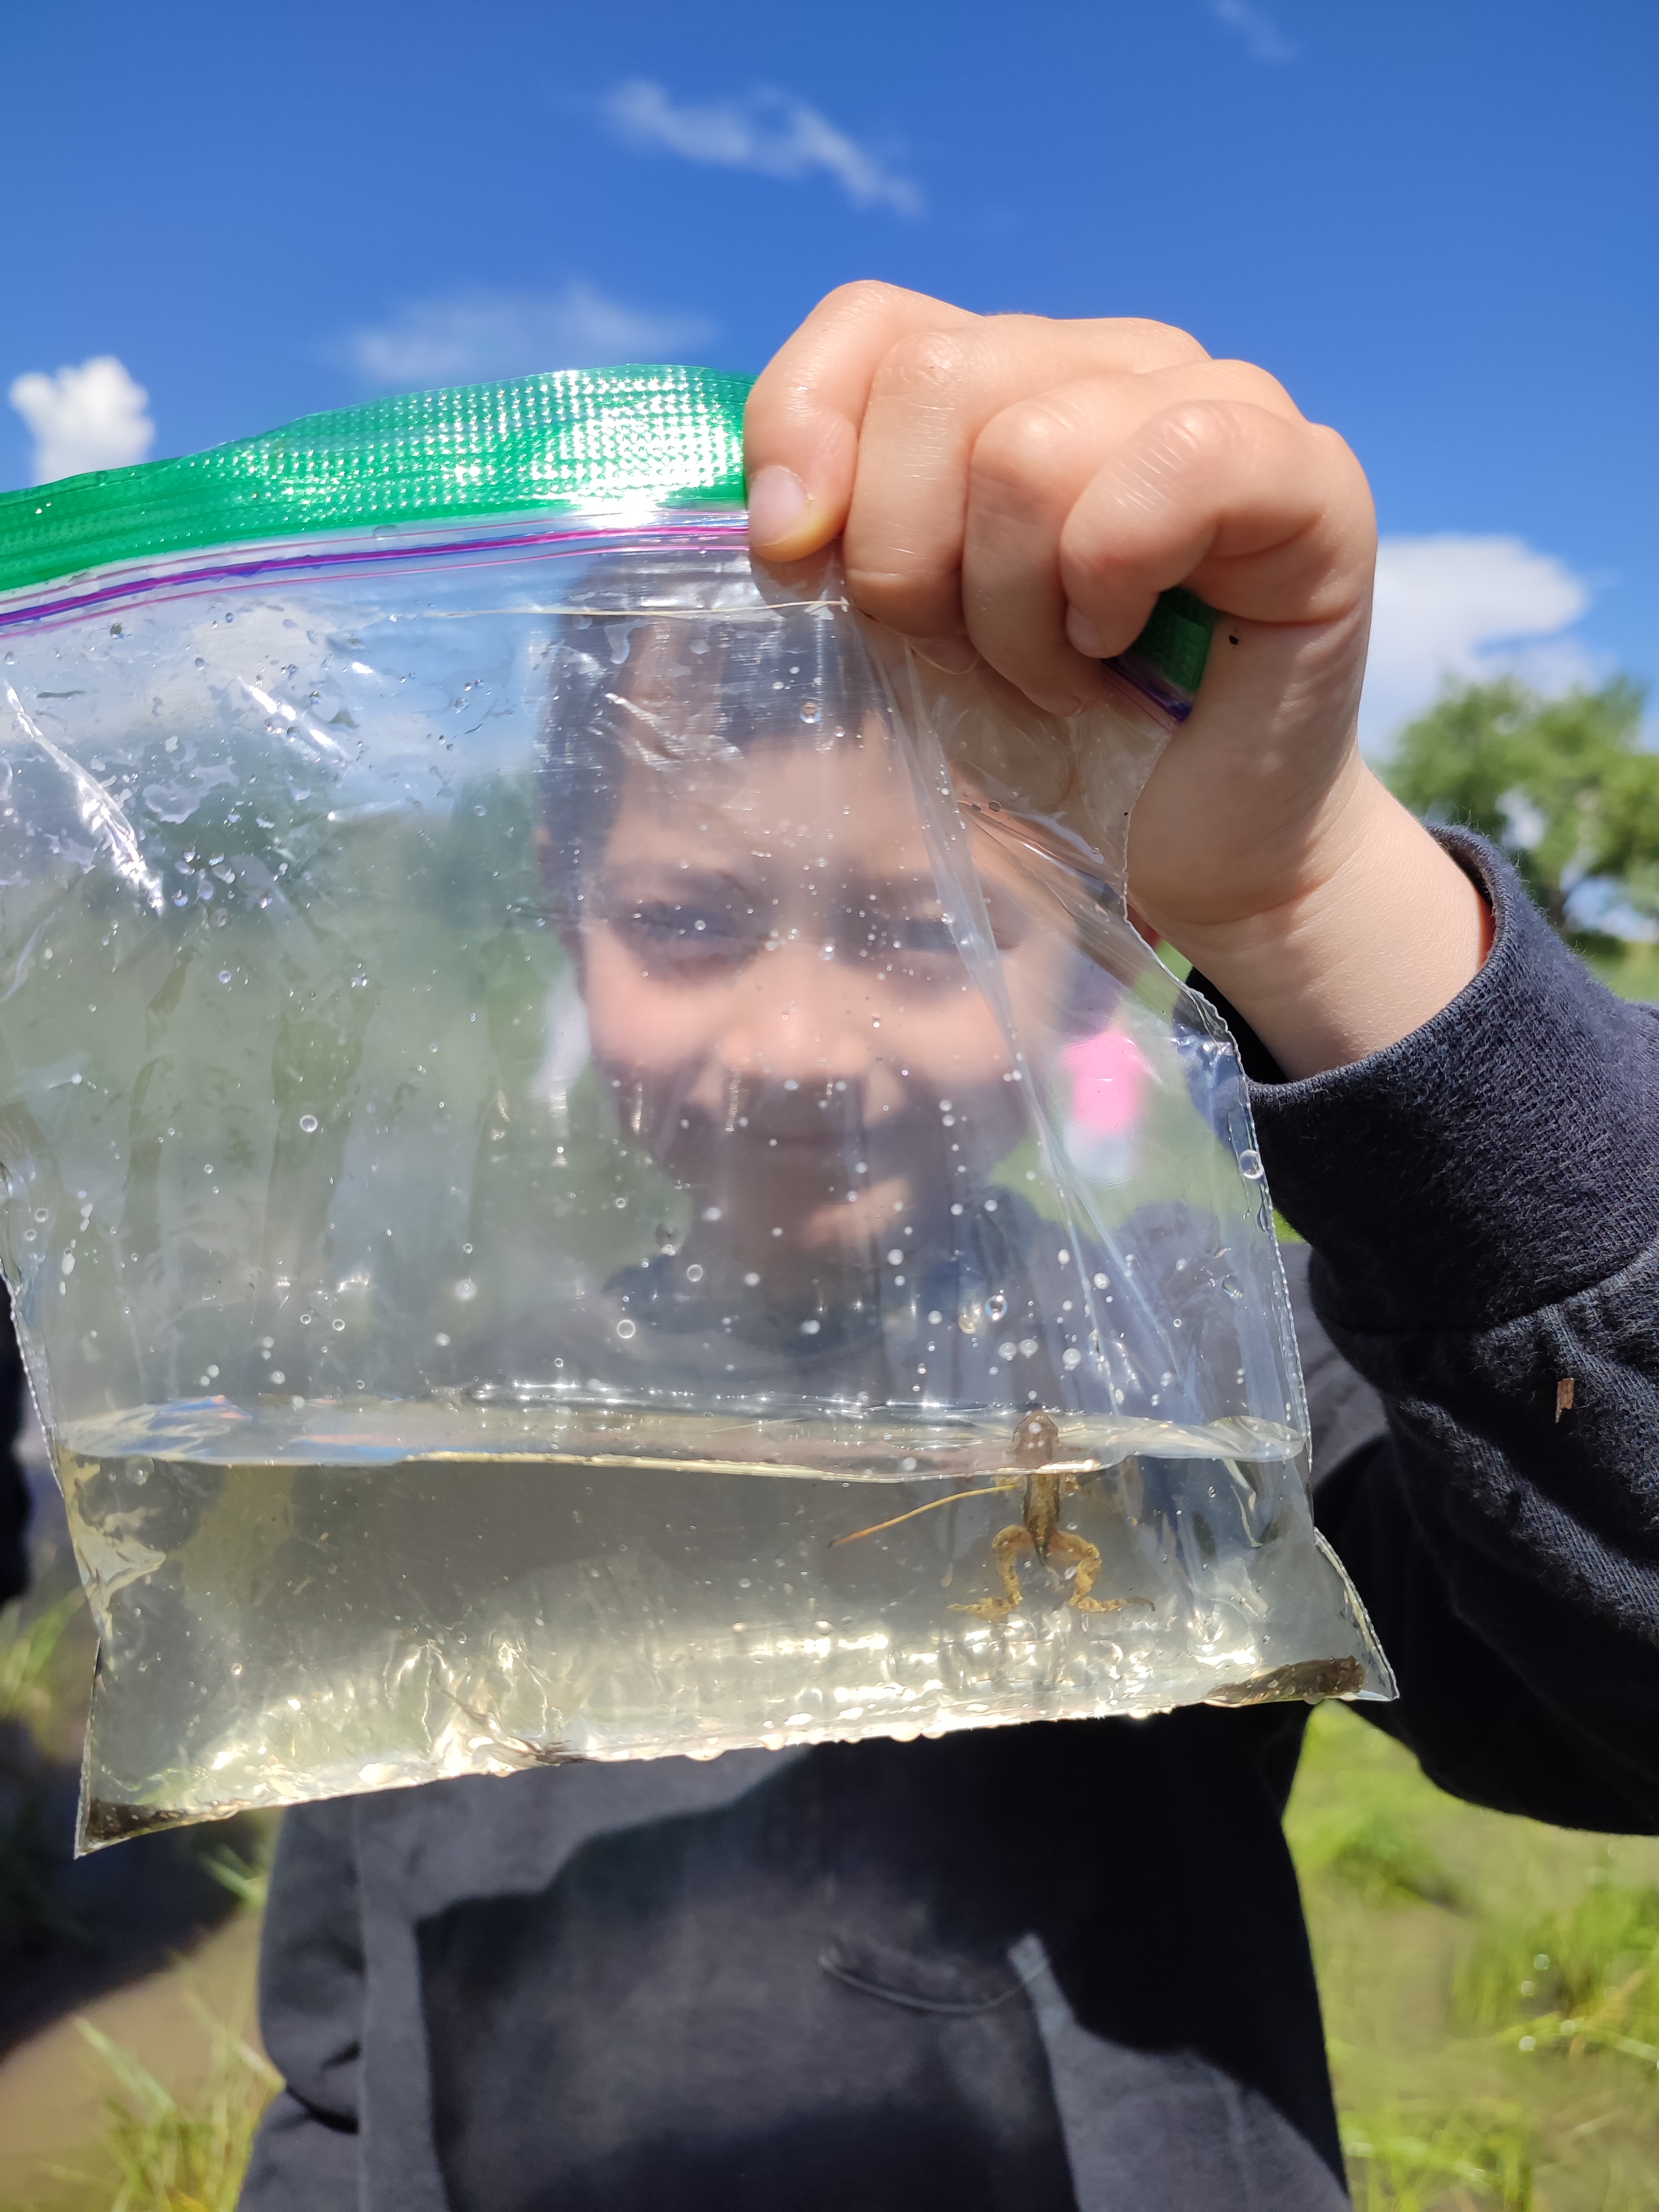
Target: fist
pixel 1018 491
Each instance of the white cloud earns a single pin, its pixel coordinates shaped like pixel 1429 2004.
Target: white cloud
pixel 90 417
pixel 1469 608
pixel 478 335
pixel 771 134
pixel 1262 35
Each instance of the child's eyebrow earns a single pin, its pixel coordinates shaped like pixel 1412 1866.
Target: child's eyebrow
pixel 656 875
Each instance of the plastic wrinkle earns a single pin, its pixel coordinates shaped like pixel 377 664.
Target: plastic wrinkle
pixel 101 816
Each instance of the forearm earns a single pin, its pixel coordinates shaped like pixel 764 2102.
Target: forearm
pixel 1387 932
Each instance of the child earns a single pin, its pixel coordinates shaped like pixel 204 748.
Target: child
pixel 1065 1966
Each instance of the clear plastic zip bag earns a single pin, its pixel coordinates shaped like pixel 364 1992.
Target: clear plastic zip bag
pixel 594 1167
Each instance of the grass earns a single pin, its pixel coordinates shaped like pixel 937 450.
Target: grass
pixel 1491 1988
pixel 156 2151
pixel 1634 974
pixel 171 2156
pixel 44 1648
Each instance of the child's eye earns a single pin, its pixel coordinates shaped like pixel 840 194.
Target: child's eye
pixel 919 934
pixel 669 934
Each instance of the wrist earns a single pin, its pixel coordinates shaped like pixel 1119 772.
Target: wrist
pixel 1387 932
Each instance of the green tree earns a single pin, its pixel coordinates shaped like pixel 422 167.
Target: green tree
pixel 1565 786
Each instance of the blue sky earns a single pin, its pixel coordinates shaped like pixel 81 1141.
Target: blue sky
pixel 1434 219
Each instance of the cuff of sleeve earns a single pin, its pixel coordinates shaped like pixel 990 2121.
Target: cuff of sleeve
pixel 1502 1157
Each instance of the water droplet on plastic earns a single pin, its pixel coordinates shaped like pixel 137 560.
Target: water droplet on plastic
pixel 1249 1164
pixel 809 708
pixel 308 1122
pixel 995 1306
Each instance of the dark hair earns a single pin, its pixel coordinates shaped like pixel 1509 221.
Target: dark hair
pixel 695 663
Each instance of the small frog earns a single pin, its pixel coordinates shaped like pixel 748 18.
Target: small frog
pixel 1046 1485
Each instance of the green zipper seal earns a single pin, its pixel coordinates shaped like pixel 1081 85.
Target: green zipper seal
pixel 567 441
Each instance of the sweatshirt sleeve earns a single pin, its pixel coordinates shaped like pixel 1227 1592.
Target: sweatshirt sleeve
pixel 1482 1203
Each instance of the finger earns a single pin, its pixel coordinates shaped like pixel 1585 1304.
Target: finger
pixel 930 399
pixel 1266 518
pixel 1030 465
pixel 801 424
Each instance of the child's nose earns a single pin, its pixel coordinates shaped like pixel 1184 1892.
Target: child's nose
pixel 809 1016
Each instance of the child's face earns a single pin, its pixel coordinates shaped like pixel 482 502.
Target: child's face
pixel 774 994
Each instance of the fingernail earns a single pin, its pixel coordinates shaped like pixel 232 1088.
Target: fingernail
pixel 1057 702
pixel 777 505
pixel 1085 636
pixel 954 655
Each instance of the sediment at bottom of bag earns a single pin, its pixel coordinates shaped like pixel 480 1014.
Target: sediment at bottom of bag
pixel 272 1632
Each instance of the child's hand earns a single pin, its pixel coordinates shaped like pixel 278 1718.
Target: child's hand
pixel 1023 489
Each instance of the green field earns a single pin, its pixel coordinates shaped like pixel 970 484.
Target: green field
pixel 1491 1989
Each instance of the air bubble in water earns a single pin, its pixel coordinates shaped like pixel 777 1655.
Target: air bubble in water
pixel 1249 1164
pixel 809 710
pixel 309 1124
pixel 995 1306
